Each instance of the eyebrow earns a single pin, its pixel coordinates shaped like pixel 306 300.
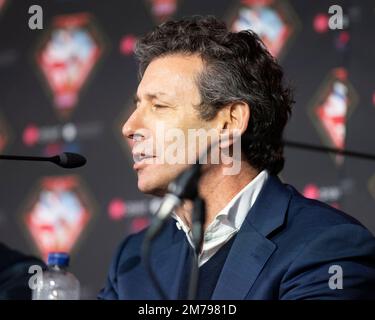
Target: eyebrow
pixel 149 96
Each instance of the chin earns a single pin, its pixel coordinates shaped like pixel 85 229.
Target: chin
pixel 155 180
pixel 150 187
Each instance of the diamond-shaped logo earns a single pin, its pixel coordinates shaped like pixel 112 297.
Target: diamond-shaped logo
pixel 334 103
pixel 67 57
pixel 274 22
pixel 57 214
pixel 162 10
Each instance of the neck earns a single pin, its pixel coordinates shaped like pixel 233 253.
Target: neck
pixel 217 190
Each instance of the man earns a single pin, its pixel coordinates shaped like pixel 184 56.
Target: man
pixel 263 240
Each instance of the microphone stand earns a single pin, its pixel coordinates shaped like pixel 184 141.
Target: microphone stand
pixel 24 158
pixel 197 230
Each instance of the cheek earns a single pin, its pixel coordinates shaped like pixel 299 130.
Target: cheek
pixel 176 129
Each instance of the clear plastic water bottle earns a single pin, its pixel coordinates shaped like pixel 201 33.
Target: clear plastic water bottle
pixel 57 283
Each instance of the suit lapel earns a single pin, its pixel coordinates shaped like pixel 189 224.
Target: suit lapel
pixel 249 252
pixel 251 249
pixel 169 264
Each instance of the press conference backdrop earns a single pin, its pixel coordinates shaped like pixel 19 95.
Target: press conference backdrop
pixel 69 87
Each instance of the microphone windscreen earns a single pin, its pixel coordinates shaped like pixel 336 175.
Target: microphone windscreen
pixel 71 160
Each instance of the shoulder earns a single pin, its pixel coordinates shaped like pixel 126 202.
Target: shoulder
pixel 310 213
pixel 314 231
pixel 319 240
pixel 131 246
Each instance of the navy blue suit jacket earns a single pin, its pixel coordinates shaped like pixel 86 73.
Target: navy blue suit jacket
pixel 284 250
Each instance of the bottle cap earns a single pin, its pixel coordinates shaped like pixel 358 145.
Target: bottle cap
pixel 58 258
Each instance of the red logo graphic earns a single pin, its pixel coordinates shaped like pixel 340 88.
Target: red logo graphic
pixel 67 57
pixel 57 214
pixel 127 44
pixel 331 110
pixel 162 10
pixel 138 212
pixel 320 22
pixel 270 19
pixel 328 194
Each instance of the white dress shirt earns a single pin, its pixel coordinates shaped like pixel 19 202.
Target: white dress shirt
pixel 228 221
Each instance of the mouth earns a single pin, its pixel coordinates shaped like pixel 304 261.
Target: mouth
pixel 140 160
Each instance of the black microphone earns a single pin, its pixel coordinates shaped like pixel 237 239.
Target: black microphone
pixel 67 160
pixel 185 186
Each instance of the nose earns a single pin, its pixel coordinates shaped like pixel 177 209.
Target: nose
pixel 130 126
pixel 134 128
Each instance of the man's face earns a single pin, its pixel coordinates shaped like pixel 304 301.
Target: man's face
pixel 165 98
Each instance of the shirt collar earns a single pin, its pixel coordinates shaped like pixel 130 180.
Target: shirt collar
pixel 234 213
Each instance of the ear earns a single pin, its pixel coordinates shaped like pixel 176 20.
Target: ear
pixel 234 121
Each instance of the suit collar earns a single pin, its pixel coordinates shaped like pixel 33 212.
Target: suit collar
pixel 251 248
pixel 269 211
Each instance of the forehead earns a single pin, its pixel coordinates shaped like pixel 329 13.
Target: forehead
pixel 172 76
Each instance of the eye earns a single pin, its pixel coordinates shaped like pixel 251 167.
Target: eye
pixel 158 106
